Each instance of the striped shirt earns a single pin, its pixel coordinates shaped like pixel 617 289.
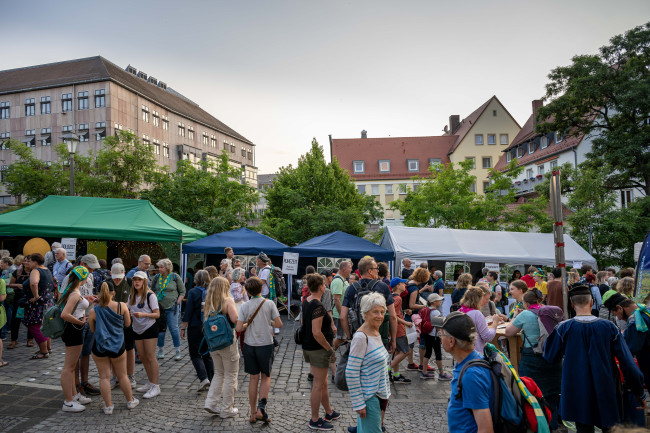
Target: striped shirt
pixel 367 370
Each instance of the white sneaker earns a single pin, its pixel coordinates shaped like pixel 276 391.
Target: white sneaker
pixel 212 410
pixel 108 410
pixel 205 384
pixel 133 403
pixel 72 406
pixel 133 382
pixel 144 388
pixel 276 331
pixel 229 414
pixel 154 391
pixel 81 399
pixel 114 382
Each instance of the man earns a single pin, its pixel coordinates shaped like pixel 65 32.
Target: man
pixel 554 289
pixel 406 271
pixel 627 272
pixel 49 256
pixel 584 270
pixel 337 287
pixel 264 265
pixel 120 287
pixel 229 253
pixel 589 374
pixel 369 271
pixel 611 272
pixel 528 278
pixel 61 267
pixel 144 263
pixel 236 263
pixel 469 412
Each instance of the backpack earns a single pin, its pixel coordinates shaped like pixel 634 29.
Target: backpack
pixel 548 317
pixel 339 376
pixel 161 321
pixel 425 314
pixel 217 332
pixel 53 325
pixel 361 290
pixel 531 419
pixel 278 280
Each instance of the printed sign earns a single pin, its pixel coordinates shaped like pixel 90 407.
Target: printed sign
pixel 290 263
pixel 70 247
pixel 493 267
pixel 577 265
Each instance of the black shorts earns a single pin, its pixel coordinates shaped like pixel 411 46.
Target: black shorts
pixel 99 354
pixel 258 359
pixel 129 338
pixel 72 334
pixel 150 332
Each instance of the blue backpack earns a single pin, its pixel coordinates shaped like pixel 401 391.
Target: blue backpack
pixel 217 332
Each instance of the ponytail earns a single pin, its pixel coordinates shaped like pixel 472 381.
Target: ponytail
pixel 104 295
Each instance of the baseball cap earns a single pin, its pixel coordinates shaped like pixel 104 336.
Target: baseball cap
pixel 326 273
pixel 91 261
pixel 612 302
pixel 434 297
pixel 141 274
pixel 458 324
pixel 395 281
pixel 117 271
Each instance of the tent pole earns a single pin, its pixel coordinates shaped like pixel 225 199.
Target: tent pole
pixel 558 235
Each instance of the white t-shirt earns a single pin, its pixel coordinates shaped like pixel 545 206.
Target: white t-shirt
pixel 86 289
pixel 141 324
pixel 265 276
pixel 434 313
pixel 80 310
pixel 259 332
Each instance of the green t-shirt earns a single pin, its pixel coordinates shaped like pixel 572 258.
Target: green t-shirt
pixel 3 313
pixel 337 287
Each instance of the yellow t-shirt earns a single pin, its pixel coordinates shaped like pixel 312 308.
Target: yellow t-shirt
pixel 542 287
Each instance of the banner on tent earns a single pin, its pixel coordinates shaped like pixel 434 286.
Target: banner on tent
pixel 290 263
pixel 70 247
pixel 493 267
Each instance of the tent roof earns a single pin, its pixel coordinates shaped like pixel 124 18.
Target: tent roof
pixel 339 244
pixel 96 218
pixel 242 241
pixel 480 246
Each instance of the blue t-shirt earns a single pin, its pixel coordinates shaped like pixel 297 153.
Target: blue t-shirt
pixel 527 321
pixel 381 288
pixel 439 285
pixel 477 394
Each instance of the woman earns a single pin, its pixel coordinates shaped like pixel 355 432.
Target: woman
pixel 143 306
pixel 489 309
pixel 318 332
pixel 625 287
pixel 416 287
pixel 225 268
pixel 253 272
pixel 574 277
pixel 258 317
pixel 108 320
pixel 221 395
pixel 474 299
pixel 516 275
pixel 305 289
pixel 212 271
pixel 41 294
pixel 432 341
pixel 193 324
pixel 517 290
pixel 366 373
pixel 237 290
pixel 464 281
pixel 384 273
pixel 74 319
pixel 601 278
pixel 547 376
pixel 3 318
pixel 18 277
pixel 170 291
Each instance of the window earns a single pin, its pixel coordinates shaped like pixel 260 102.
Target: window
pixel 83 126
pixel 181 129
pixel 416 186
pixel 413 164
pixel 478 139
pixel 508 156
pixel 559 137
pixel 529 173
pixel 4 136
pixel 487 162
pixel 434 161
pixel 84 134
pixel 390 214
pixel 82 100
pixel 145 113
pixel 232 148
pixel 361 189
pixel 66 102
pixel 165 123
pixel 384 166
pixel 100 98
pixel 118 127
pixel 100 130
pixel 520 152
pixel 166 150
pixel 494 113
pixel 5 110
pixel 205 138
pixel 388 188
pixel 155 118
pixel 250 155
pixel 402 188
pixel 626 197
pixel 145 140
pixel 30 132
pixel 374 189
pixel 492 139
pixel 156 146
pixel 225 145
pixel 471 158
pixel 486 185
pixel 472 187
pixel 30 107
pixel 190 133
pixel 358 166
pixel 46 136
pixel 531 147
pixel 543 142
pixel 213 141
pixel 553 165
pixel 30 139
pixel 67 128
pixel 46 105
pixel 503 139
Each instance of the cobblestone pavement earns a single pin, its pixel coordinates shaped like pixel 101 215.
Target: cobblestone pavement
pixel 31 398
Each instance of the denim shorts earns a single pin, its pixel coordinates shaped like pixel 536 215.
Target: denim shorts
pixel 89 340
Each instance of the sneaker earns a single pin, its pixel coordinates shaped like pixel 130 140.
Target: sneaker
pixel 429 369
pixel 108 410
pixel 144 388
pixel 413 367
pixel 160 354
pixel 391 377
pixel 154 391
pixel 114 382
pixel 212 410
pixel 81 399
pixel 178 356
pixel 321 424
pixel 133 403
pixel 426 376
pixel 444 377
pixel 332 416
pixel 133 382
pixel 89 389
pixel 310 377
pixel 229 414
pixel 72 406
pixel 401 379
pixel 205 384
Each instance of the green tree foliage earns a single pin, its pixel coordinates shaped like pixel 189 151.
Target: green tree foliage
pixel 209 196
pixel 607 95
pixel 315 198
pixel 445 199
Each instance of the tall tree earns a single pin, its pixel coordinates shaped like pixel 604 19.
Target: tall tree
pixel 315 198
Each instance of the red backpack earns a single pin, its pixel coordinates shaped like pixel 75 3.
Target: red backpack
pixel 425 327
pixel 528 409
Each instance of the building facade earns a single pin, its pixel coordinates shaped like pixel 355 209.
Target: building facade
pixel 93 98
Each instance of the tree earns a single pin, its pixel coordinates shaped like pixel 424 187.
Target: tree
pixel 209 196
pixel 607 96
pixel 315 198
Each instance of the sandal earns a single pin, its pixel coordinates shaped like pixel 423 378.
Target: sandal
pixel 30 344
pixel 3 363
pixel 12 345
pixel 264 417
pixel 252 419
pixel 40 355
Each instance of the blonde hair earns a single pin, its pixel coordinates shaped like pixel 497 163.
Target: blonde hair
pixel 104 295
pixel 464 280
pixel 218 291
pixel 167 264
pixel 134 292
pixel 420 275
pixel 473 297
pixel 574 277
pixel 625 286
pixel 212 271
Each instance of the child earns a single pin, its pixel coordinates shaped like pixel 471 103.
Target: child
pixel 433 342
pixel 403 347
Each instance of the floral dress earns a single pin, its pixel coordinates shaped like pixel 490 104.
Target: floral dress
pixel 34 310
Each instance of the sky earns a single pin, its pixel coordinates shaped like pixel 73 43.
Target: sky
pixel 284 72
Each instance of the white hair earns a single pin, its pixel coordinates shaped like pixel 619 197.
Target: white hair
pixel 370 301
pixel 56 245
pixel 142 257
pixel 438 273
pixel 60 250
pixel 167 264
pixel 236 274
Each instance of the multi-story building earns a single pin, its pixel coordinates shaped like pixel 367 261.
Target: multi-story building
pixel 264 182
pixel 93 97
pixel 385 167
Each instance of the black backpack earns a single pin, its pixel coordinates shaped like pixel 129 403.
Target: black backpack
pixel 361 290
pixel 278 279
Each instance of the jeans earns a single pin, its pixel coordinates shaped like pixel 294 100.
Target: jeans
pixel 172 326
pixel 223 387
pixel 202 363
pixel 89 340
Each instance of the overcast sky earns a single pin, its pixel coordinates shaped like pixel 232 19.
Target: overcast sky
pixel 283 72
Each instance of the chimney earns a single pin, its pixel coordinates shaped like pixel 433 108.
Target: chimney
pixel 364 134
pixel 537 103
pixel 454 123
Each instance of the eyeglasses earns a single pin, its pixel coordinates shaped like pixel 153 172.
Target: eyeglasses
pixel 373 269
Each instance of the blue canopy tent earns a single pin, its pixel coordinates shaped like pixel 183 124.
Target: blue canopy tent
pixel 339 244
pixel 242 241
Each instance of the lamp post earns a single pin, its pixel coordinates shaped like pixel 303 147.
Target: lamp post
pixel 71 140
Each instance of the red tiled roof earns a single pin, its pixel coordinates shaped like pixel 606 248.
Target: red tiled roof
pixel 395 149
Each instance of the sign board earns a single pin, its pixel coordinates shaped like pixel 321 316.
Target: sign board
pixel 577 265
pixel 493 267
pixel 70 247
pixel 290 263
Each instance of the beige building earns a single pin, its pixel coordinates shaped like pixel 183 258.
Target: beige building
pixel 93 97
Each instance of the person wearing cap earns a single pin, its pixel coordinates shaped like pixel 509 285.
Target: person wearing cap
pixel 337 288
pixel 540 284
pixel 264 266
pixel 402 348
pixel 432 341
pixel 120 287
pixel 469 412
pixel 589 348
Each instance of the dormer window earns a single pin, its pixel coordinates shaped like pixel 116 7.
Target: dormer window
pixel 384 166
pixel 413 164
pixel 559 137
pixel 531 147
pixel 543 142
pixel 358 166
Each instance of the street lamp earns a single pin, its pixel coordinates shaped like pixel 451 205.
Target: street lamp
pixel 71 140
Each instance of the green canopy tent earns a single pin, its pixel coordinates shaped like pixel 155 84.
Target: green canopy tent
pixel 96 218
